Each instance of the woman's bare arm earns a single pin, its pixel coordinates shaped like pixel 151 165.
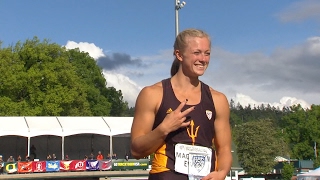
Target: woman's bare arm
pixel 144 140
pixel 222 139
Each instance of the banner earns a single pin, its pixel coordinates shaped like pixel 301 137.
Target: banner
pixel 105 164
pixel 39 166
pixel 65 165
pixel 52 166
pixel 92 165
pixel 10 167
pixel 24 167
pixel 78 165
pixel 122 164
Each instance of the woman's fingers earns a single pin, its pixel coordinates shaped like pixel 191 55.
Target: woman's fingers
pixel 185 112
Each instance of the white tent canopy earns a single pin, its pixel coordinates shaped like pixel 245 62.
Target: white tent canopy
pixel 43 126
pixel 64 126
pixel 85 125
pixel 16 126
pixel 312 175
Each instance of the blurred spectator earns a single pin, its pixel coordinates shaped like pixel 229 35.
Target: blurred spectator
pixel 54 157
pixel 1 164
pixel 99 156
pixel 66 158
pixel 114 156
pixel 28 158
pixel 11 159
pixel 126 156
pixel 33 151
pixel 49 158
pixel 85 157
pixel 108 156
pixel 19 158
pixel 91 157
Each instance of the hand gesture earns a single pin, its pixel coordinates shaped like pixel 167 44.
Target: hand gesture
pixel 176 119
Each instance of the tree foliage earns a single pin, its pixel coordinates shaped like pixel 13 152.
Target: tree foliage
pixel 256 144
pixel 297 130
pixel 287 171
pixel 302 131
pixel 45 79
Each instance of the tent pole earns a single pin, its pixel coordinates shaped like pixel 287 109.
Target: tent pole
pixel 111 147
pixel 29 146
pixel 62 148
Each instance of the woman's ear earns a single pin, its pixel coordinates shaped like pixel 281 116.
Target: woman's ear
pixel 178 55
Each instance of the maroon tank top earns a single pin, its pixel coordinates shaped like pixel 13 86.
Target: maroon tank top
pixel 202 132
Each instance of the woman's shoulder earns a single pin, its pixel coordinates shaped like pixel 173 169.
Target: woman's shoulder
pixel 150 97
pixel 218 96
pixel 153 89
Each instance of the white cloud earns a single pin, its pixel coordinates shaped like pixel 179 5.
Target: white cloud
pixel 90 48
pixel 289 101
pixel 292 72
pixel 128 88
pixel 301 10
pixel 245 100
pixel 119 81
pixel 283 78
pixel 313 46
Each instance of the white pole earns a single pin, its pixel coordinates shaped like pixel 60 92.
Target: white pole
pixel 176 16
pixel 111 146
pixel 62 148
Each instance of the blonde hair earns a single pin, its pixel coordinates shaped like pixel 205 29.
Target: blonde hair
pixel 181 43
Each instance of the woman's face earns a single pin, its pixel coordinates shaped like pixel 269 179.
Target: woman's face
pixel 196 56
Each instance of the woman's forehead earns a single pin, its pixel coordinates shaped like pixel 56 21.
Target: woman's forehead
pixel 198 42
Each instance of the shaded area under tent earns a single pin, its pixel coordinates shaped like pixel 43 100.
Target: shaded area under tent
pixel 75 136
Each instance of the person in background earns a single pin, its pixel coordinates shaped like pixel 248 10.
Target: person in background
pixel 54 157
pixel 10 159
pixel 19 158
pixel 49 158
pixel 1 164
pixel 183 115
pixel 99 156
pixel 114 156
pixel 109 156
pixel 85 157
pixel 28 158
pixel 91 156
pixel 66 158
pixel 33 151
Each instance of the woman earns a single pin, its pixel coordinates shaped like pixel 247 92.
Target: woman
pixel 49 158
pixel 180 118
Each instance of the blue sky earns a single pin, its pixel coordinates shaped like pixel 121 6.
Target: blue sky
pixel 265 51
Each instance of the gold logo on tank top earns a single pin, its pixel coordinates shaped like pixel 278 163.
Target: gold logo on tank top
pixel 169 111
pixel 192 133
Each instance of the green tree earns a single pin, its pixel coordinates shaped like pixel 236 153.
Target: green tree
pixel 234 117
pixel 316 163
pixel 287 171
pixel 257 146
pixel 45 79
pixel 302 131
pixel 103 100
pixel 38 80
pixel 118 105
pixel 95 83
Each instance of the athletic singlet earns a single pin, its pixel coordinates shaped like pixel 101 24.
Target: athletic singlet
pixel 200 131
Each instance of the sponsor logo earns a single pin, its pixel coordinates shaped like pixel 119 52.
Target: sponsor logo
pixel 198 162
pixel 209 114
